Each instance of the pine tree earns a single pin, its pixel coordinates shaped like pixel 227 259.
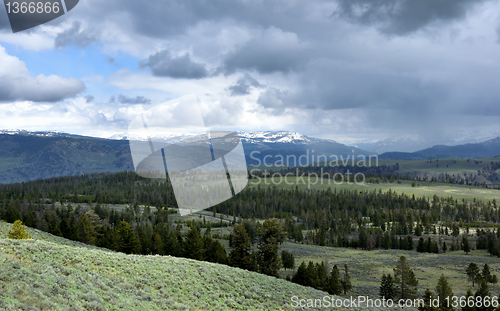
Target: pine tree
pixel 335 282
pixel 486 274
pixel 443 290
pixel 405 280
pixel 468 307
pixel 466 245
pixel 483 292
pixel 111 239
pixel 128 240
pixel 321 277
pixel 387 287
pixel 472 272
pixel 18 231
pixel 85 230
pixel 214 251
pixel 346 280
pixel 192 247
pixel 241 249
pixel 156 243
pixel 305 274
pixel 287 259
pixel 271 234
pixel 428 298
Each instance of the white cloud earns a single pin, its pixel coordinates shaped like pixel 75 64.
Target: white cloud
pixel 16 83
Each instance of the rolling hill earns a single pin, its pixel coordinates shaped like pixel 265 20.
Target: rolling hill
pixel 51 273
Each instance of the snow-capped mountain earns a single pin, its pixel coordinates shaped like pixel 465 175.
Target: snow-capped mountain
pixel 171 139
pixel 37 133
pixel 279 137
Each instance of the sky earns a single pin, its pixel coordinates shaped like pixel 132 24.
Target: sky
pixel 349 70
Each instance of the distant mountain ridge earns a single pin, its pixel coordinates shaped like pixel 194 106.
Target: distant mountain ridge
pixel 486 149
pixel 401 144
pixel 29 155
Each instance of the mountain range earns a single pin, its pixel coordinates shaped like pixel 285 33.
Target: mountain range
pixel 26 155
pixel 489 148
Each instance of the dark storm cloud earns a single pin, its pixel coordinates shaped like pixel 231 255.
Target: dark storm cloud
pixel 274 51
pixel 161 18
pixel 402 17
pixel 329 86
pixel 244 85
pixel 162 64
pixel 123 99
pixel 73 36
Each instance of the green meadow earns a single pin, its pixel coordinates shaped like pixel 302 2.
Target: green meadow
pixel 427 189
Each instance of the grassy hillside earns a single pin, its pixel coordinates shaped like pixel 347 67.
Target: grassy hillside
pixel 51 273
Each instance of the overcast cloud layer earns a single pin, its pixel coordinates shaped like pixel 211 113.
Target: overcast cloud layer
pixel 351 70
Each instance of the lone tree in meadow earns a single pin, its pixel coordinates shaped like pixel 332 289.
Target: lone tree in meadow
pixel 487 276
pixel 18 231
pixel 472 272
pixel 405 280
pixel 466 245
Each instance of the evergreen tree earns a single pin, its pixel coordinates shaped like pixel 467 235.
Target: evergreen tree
pixel 487 276
pixel 472 272
pixel 18 231
pixel 192 247
pixel 469 307
pixel 428 298
pixel 387 287
pixel 405 280
pixel 287 259
pixel 110 239
pixel 128 241
pixel 214 251
pixel 346 280
pixel 483 292
pixel 443 290
pixel 335 282
pixel 156 243
pixel 466 245
pixel 241 249
pixel 86 232
pixel 271 235
pixel 321 277
pixel 300 276
pixel 421 245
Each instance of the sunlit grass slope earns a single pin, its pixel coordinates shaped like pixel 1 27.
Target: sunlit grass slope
pixel 51 273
